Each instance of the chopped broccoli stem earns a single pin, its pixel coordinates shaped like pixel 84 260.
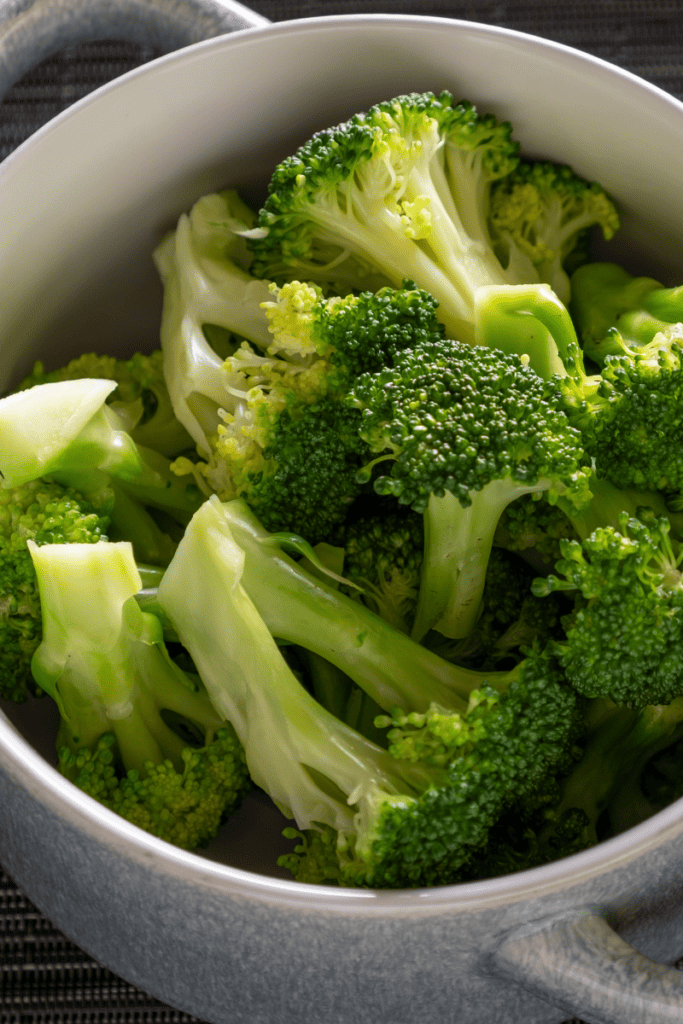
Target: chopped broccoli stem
pixel 128 712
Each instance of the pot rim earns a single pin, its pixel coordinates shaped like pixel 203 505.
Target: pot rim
pixel 39 778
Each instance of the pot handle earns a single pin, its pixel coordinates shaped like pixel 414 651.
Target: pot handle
pixel 581 966
pixel 31 30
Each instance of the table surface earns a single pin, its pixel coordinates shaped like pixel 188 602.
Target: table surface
pixel 44 978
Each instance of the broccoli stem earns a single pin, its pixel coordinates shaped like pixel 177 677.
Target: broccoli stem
pixel 312 765
pixel 389 666
pixel 458 544
pixel 101 658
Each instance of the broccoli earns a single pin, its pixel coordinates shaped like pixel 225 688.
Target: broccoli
pixel 533 529
pixel 47 513
pixel 269 420
pixel 620 315
pixel 543 209
pixel 409 816
pixel 383 556
pixel 137 733
pixel 404 190
pixel 141 397
pixel 65 430
pixel 629 415
pixel 624 638
pixel 468 429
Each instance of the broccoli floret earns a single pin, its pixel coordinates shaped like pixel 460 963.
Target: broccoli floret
pixel 137 733
pixel 66 431
pixel 409 816
pixel 383 556
pixel 404 190
pixel 141 397
pixel 603 795
pixel 543 209
pixel 624 638
pixel 620 315
pixel 467 430
pixel 47 513
pixel 272 425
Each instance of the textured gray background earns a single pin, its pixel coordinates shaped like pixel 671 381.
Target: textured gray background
pixel 45 979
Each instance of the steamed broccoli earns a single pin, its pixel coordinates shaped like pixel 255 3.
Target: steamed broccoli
pixel 269 420
pixel 141 397
pixel 383 556
pixel 137 733
pixel 620 315
pixel 543 209
pixel 625 638
pixel 467 430
pixel 47 513
pixel 404 190
pixel 412 815
pixel 65 431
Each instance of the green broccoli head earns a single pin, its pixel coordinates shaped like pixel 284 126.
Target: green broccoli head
pixel 402 190
pixel 467 430
pixel 404 818
pixel 543 209
pixel 44 512
pixel 286 440
pixel 141 397
pixel 623 639
pixel 484 760
pixel 184 805
pixel 383 556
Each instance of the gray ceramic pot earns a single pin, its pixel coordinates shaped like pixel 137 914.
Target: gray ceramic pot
pixel 82 205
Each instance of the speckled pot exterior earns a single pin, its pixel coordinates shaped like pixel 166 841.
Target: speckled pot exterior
pixel 82 205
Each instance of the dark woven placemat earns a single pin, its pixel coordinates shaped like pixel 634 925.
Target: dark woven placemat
pixel 44 978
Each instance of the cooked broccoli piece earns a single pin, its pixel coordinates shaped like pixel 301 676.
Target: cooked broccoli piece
pixel 603 795
pixel 141 397
pixel 409 816
pixel 620 315
pixel 543 210
pixel 468 430
pixel 625 638
pixel 383 556
pixel 137 733
pixel 629 415
pixel 511 619
pixel 269 420
pixel 65 430
pixel 534 529
pixel 47 513
pixel 404 190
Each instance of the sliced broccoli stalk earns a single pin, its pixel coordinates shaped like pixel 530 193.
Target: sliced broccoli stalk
pixel 141 397
pixel 302 609
pixel 66 431
pixel 203 285
pixel 617 314
pixel 467 430
pixel 123 700
pixel 47 513
pixel 409 816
